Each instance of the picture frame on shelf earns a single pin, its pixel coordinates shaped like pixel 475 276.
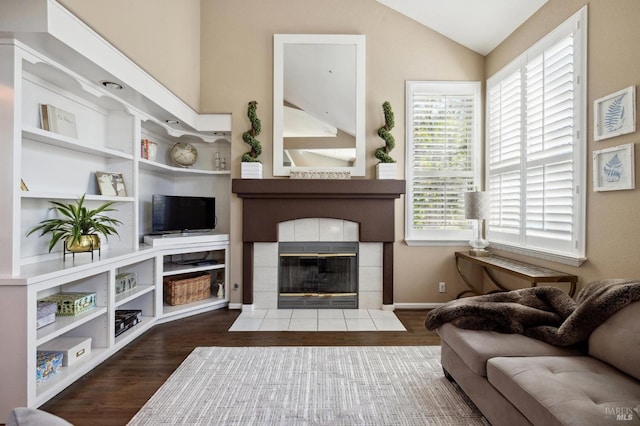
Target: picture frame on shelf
pixel 615 114
pixel 111 184
pixel 58 121
pixel 614 168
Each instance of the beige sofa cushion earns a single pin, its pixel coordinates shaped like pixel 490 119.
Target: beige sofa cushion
pixel 617 340
pixel 476 347
pixel 574 390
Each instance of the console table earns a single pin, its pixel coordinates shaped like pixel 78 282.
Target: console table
pixel 525 271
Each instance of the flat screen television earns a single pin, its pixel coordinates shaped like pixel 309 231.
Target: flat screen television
pixel 178 213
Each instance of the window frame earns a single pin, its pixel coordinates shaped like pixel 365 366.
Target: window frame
pixel 574 253
pixel 441 237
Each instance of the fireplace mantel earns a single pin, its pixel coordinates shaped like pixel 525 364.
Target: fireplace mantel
pixel 268 202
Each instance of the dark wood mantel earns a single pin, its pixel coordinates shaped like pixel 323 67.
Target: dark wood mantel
pixel 267 202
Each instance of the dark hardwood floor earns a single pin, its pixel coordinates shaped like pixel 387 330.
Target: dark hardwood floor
pixel 114 391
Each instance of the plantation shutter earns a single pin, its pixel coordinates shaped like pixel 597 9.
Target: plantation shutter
pixel 535 160
pixel 442 129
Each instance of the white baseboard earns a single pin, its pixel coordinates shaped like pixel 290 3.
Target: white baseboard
pixel 417 305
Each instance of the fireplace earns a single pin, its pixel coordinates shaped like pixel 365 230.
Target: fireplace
pixel 268 203
pixel 318 275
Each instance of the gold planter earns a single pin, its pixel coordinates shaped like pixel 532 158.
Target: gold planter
pixel 83 244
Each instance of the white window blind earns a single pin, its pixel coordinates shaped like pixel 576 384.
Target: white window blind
pixel 442 158
pixel 535 147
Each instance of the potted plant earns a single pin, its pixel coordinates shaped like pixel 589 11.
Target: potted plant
pixel 251 167
pixel 386 168
pixel 78 226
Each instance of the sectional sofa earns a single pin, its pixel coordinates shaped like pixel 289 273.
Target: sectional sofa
pixel 518 380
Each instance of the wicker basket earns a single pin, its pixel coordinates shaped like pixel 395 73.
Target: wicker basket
pixel 180 289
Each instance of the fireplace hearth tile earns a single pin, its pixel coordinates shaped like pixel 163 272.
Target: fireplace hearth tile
pixel 279 313
pixel 303 324
pixel 377 313
pixel 317 320
pixel 388 324
pixel 332 324
pixel 255 313
pixel 330 314
pixel 356 313
pixel 275 324
pixel 304 313
pixel 246 324
pixel 360 324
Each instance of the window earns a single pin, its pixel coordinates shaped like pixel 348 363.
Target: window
pixel 535 138
pixel 443 161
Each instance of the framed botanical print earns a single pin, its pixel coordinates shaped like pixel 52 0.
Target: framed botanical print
pixel 615 115
pixel 614 168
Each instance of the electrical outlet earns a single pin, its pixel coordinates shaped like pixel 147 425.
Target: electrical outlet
pixel 442 286
pixel 235 287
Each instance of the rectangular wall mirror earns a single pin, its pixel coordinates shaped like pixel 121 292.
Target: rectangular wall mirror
pixel 318 103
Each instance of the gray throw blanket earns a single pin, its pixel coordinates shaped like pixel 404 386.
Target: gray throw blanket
pixel 544 313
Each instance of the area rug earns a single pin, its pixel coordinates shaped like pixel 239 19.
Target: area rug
pixel 345 385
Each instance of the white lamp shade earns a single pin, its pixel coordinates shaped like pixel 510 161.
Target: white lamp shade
pixel 476 205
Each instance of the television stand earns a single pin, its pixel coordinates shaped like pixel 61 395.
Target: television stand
pixel 184 238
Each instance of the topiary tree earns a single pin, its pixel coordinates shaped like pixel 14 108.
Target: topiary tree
pixel 384 132
pixel 249 136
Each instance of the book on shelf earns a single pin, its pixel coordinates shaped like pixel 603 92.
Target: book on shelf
pixel 144 149
pixel 58 121
pixel 148 149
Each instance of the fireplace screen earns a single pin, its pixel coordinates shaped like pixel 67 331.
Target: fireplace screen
pixel 318 275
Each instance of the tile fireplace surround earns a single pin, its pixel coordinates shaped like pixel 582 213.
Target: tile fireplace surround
pixel 318 210
pixel 265 260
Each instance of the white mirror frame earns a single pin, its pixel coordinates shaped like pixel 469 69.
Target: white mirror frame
pixel 279 41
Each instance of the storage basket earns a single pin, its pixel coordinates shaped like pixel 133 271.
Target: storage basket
pixel 186 288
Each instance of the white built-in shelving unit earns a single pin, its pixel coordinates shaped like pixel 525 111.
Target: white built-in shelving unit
pixel 48 56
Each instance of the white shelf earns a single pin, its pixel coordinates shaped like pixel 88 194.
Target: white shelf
pixel 134 293
pixel 64 70
pixel 75 145
pixel 154 166
pixel 168 310
pixel 63 196
pixel 184 240
pixel 64 324
pixel 68 375
pixel 172 269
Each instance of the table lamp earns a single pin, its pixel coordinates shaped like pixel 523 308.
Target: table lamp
pixel 476 206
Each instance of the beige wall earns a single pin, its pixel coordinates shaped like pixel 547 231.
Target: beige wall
pixel 613 228
pixel 161 36
pixel 236 67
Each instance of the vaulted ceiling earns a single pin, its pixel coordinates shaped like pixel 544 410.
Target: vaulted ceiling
pixel 479 25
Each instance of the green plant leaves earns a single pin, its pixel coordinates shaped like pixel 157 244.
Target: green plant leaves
pixel 76 220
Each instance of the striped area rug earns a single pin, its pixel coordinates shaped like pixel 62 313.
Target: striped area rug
pixel 345 385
